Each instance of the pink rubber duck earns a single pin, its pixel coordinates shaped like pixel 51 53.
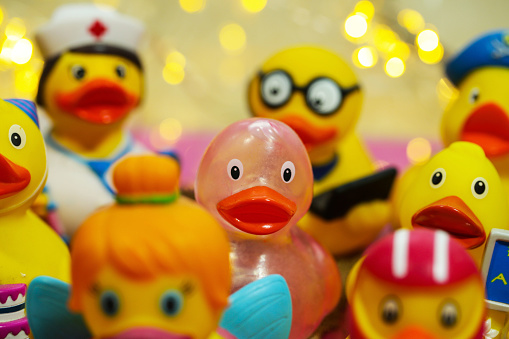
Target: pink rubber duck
pixel 255 178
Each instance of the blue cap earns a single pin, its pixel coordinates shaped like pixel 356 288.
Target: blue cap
pixel 27 106
pixel 491 49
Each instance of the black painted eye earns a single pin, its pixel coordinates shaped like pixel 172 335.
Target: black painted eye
pixel 276 88
pixel 437 178
pixel 172 302
pixel 17 136
pixel 235 169
pixel 449 314
pixel 391 310
pixel 479 187
pixel 288 171
pixel 110 303
pixel 120 70
pixel 324 96
pixel 474 95
pixel 78 72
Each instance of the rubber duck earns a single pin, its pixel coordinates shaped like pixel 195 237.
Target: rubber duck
pixel 459 191
pixel 29 247
pixel 416 284
pixel 91 81
pixel 255 178
pixel 156 281
pixel 479 112
pixel 317 94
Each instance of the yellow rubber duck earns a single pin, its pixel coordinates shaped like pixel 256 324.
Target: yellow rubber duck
pixel 317 94
pixel 479 113
pixel 91 81
pixel 29 248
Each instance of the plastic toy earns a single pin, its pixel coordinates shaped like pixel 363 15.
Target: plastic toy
pixel 256 179
pixel 317 94
pixel 480 111
pixel 416 284
pixel 13 323
pixel 92 79
pixel 458 191
pixel 29 248
pixel 153 265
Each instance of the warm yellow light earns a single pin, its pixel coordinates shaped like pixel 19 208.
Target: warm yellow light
pixel 1 15
pixel 418 150
pixel 411 20
pixel 356 25
pixel 399 49
pixel 427 40
pixel 254 6
pixel 170 129
pixel 26 78
pixel 192 6
pixel 232 38
pixel 22 51
pixel 446 92
pixel 173 73
pixel 394 67
pixel 384 38
pixel 365 7
pixel 432 57
pixel 110 3
pixel 365 57
pixel 176 57
pixel 15 29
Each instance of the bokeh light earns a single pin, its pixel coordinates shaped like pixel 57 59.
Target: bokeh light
pixel 418 150
pixel 170 129
pixel 365 7
pixel 26 78
pixel 22 51
pixel 1 15
pixel 394 67
pixel 232 38
pixel 384 38
pixel 399 49
pixel 446 92
pixel 427 40
pixel 15 29
pixel 192 6
pixel 176 57
pixel 432 57
pixel 173 73
pixel 356 26
pixel 411 20
pixel 365 57
pixel 254 6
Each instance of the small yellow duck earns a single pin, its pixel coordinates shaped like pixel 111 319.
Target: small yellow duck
pixel 29 248
pixel 317 94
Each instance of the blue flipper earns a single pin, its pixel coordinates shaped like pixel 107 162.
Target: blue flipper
pixel 260 310
pixel 47 312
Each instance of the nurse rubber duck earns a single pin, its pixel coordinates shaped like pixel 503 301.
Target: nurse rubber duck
pixel 256 179
pixel 418 284
pixel 479 112
pixel 317 94
pixel 91 81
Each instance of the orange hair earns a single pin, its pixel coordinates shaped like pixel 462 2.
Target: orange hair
pixel 142 241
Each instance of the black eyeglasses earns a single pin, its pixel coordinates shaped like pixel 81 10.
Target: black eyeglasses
pixel 323 95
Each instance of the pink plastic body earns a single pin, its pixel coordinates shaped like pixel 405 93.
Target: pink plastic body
pixel 268 154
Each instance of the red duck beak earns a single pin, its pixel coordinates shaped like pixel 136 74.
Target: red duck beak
pixel 452 215
pixel 488 126
pixel 258 210
pixel 98 101
pixel 310 135
pixel 414 332
pixel 13 178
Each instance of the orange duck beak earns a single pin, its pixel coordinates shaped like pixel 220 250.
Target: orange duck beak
pixel 13 178
pixel 414 332
pixel 452 215
pixel 257 210
pixel 98 101
pixel 310 135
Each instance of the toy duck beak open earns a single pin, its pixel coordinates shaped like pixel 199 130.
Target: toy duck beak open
pixel 257 210
pixel 147 333
pixel 488 126
pixel 452 215
pixel 98 101
pixel 13 178
pixel 310 134
pixel 414 332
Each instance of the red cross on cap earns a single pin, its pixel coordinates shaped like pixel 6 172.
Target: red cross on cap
pixel 97 29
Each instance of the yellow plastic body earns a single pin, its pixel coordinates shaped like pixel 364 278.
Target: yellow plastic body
pixel 362 224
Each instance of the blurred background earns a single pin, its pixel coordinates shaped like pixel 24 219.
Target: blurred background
pixel 199 56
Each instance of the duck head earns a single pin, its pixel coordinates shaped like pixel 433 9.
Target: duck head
pixel 256 178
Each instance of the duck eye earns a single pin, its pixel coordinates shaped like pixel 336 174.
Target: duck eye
pixel 288 171
pixel 17 136
pixel 276 88
pixel 437 178
pixel 120 70
pixel 449 314
pixel 78 72
pixel 172 302
pixel 391 310
pixel 479 187
pixel 324 96
pixel 110 303
pixel 474 95
pixel 235 169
